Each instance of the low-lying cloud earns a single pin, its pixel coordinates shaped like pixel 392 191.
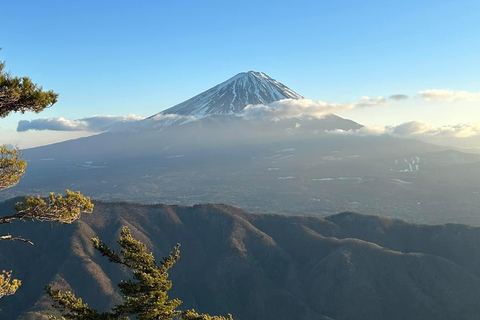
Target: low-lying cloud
pixel 161 120
pixel 417 129
pixel 282 109
pixel 363 131
pixel 292 108
pixel 173 117
pixel 449 95
pixel 56 124
pixel 97 123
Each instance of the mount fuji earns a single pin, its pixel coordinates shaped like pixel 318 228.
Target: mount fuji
pixel 232 96
pixel 221 109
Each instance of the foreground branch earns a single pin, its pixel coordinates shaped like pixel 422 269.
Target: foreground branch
pixel 20 94
pixel 12 167
pixel 9 237
pixel 7 285
pixel 57 208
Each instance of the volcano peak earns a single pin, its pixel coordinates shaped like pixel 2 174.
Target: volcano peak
pixel 234 94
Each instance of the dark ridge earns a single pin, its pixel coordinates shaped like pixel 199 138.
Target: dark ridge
pixel 346 266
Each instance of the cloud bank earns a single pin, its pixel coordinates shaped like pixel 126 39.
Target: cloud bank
pixel 283 109
pixel 56 124
pixel 292 108
pixel 417 129
pixel 98 123
pixel 173 117
pixel 449 95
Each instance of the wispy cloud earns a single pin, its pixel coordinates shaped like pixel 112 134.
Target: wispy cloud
pixel 370 102
pixel 161 121
pixel 398 97
pixel 449 95
pixel 363 131
pixel 291 108
pixel 417 129
pixel 173 117
pixel 98 123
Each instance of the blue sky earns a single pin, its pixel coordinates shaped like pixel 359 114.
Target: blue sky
pixel 120 57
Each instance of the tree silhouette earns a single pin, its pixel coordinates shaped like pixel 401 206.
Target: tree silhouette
pixel 20 94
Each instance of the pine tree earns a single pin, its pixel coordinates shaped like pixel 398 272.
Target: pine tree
pixel 145 296
pixel 20 94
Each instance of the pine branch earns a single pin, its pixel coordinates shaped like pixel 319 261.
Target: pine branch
pixel 62 209
pixel 12 168
pixel 8 286
pixel 9 237
pixel 20 94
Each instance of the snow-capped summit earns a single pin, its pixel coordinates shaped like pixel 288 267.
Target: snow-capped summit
pixel 233 95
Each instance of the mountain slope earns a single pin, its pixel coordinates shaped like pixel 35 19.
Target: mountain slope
pixel 260 266
pixel 233 95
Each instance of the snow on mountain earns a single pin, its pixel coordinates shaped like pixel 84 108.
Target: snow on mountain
pixel 233 95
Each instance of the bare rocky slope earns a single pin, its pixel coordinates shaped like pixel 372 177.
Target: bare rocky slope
pixel 346 266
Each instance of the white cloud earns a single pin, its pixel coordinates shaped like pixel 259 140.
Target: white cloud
pixel 292 108
pixel 55 124
pixel 449 95
pixel 370 102
pixel 412 128
pixel 105 122
pixel 173 117
pixel 417 129
pixel 161 121
pixel 364 131
pixel 96 123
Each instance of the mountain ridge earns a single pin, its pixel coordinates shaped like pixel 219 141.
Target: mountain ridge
pixel 260 266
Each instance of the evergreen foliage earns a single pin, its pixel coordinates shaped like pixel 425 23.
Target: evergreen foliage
pixel 146 295
pixel 20 94
pixel 12 167
pixel 7 285
pixel 57 208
